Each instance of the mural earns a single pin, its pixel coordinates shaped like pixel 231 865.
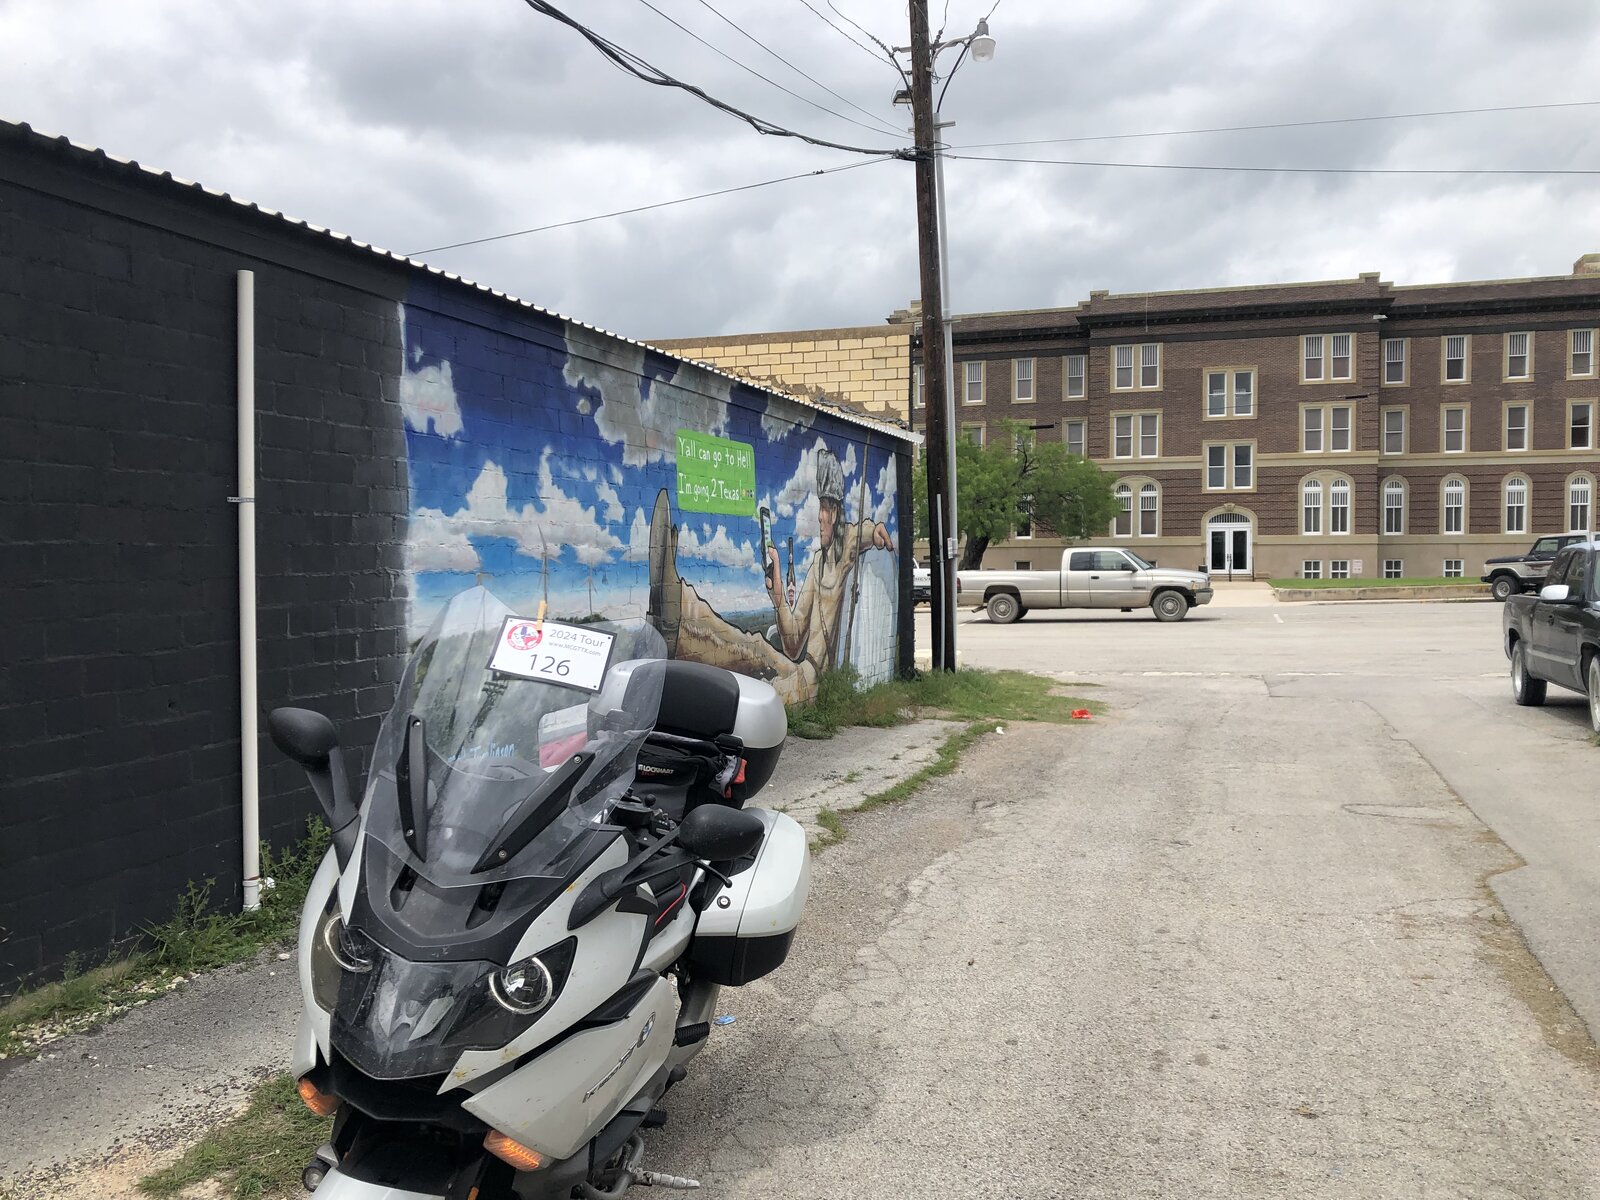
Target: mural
pixel 555 463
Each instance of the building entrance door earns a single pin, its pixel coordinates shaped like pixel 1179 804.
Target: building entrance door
pixel 1228 545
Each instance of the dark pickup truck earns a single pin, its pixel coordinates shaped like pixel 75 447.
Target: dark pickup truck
pixel 1554 637
pixel 1514 573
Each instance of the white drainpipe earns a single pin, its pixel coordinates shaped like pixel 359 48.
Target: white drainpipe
pixel 246 500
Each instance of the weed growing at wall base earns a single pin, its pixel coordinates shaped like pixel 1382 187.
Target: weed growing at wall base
pixel 196 938
pixel 970 695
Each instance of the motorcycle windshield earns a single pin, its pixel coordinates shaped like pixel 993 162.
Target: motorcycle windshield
pixel 508 741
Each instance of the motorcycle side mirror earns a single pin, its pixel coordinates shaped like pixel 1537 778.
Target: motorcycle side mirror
pixel 717 833
pixel 311 740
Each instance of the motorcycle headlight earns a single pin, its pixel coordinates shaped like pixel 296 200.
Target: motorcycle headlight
pixel 335 950
pixel 524 987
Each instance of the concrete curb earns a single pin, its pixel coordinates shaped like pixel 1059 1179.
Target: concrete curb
pixel 1465 591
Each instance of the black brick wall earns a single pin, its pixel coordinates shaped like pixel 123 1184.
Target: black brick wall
pixel 119 710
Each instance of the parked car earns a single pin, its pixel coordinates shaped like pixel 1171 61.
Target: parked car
pixel 1514 573
pixel 1554 637
pixel 922 585
pixel 1090 578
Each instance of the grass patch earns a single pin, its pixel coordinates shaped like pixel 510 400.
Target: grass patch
pixel 197 937
pixel 945 760
pixel 1410 581
pixel 258 1153
pixel 832 828
pixel 969 695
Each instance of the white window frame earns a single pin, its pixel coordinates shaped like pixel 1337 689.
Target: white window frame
pixel 1394 568
pixel 1454 568
pixel 1512 353
pixel 1017 377
pixel 1313 357
pixel 1224 457
pixel 1514 512
pixel 968 428
pixel 1218 451
pixel 1318 353
pixel 1150 503
pixel 1506 428
pixel 1444 428
pixel 1311 508
pixel 1334 431
pixel 1334 356
pixel 1338 568
pixel 1338 514
pixel 1077 376
pixel 972 373
pixel 1310 568
pixel 918 399
pixel 1576 338
pixel 1306 431
pixel 1445 507
pixel 1230 393
pixel 1394 515
pixel 1141 361
pixel 1150 435
pixel 1573 407
pixel 1385 430
pixel 1122 523
pixel 1446 358
pixel 1117 421
pixel 1580 503
pixel 1249 449
pixel 1082 427
pixel 1391 358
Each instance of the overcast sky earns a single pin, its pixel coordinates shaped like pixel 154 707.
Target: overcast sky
pixel 415 123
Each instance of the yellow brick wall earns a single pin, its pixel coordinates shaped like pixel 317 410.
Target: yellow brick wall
pixel 868 366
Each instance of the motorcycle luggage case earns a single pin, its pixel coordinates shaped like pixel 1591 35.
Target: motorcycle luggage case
pixel 750 935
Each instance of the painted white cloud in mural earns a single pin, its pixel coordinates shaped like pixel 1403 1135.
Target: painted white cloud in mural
pixel 440 542
pixel 888 492
pixel 630 415
pixel 428 394
pixel 607 495
pixel 717 547
pixel 798 497
pixel 638 549
pixel 779 422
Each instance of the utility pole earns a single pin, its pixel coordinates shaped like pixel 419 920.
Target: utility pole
pixel 941 537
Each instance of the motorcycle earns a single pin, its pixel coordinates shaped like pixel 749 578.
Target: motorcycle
pixel 517 939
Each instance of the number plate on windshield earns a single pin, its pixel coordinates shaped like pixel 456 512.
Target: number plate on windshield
pixel 568 655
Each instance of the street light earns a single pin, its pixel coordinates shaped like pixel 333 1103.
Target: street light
pixel 939 376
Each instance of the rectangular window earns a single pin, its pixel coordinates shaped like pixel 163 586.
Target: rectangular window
pixel 1454 427
pixel 1149 435
pixel 1075 376
pixel 1122 437
pixel 1394 360
pixel 1311 508
pixel 1341 356
pixel 974 389
pixel 1394 431
pixel 1216 393
pixel 1455 505
pixel 1394 568
pixel 1339 568
pixel 1023 564
pixel 1075 438
pixel 1311 439
pixel 1339 506
pixel 1243 462
pixel 1580 425
pixel 1455 358
pixel 1022 381
pixel 1123 526
pixel 1148 511
pixel 917 398
pixel 1244 393
pixel 973 434
pixel 1339 429
pixel 1150 365
pixel 1230 393
pixel 1122 380
pixel 1452 568
pixel 1579 493
pixel 1580 364
pixel 1516 505
pixel 1394 507
pixel 1216 468
pixel 1516 427
pixel 1311 370
pixel 1311 568
pixel 1518 357
pixel 1025 522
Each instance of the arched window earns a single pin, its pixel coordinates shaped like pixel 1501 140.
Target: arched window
pixel 1580 491
pixel 1311 507
pixel 1394 506
pixel 1339 506
pixel 1149 510
pixel 1455 505
pixel 1516 504
pixel 1123 525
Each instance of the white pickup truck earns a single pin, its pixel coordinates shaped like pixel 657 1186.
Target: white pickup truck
pixel 1090 577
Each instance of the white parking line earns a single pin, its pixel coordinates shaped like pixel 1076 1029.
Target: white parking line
pixel 1277 618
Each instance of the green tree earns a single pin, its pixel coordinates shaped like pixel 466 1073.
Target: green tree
pixel 1017 479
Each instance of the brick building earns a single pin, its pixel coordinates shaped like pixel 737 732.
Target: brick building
pixel 1321 429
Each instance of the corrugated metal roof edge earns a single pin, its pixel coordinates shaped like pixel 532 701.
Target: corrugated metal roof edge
pixel 61 142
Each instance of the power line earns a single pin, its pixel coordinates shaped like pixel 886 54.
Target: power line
pixel 623 212
pixel 1067 162
pixel 853 40
pixel 798 71
pixel 1113 137
pixel 751 70
pixel 631 63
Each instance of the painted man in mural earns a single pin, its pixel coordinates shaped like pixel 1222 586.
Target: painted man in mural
pixel 811 633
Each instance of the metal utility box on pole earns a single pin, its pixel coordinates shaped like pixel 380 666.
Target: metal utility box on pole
pixel 941 481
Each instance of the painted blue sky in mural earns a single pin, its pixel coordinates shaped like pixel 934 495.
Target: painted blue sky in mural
pixel 548 446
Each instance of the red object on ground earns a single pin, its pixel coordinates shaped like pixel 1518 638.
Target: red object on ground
pixel 1081 714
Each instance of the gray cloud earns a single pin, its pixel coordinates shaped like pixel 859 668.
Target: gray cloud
pixel 437 121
